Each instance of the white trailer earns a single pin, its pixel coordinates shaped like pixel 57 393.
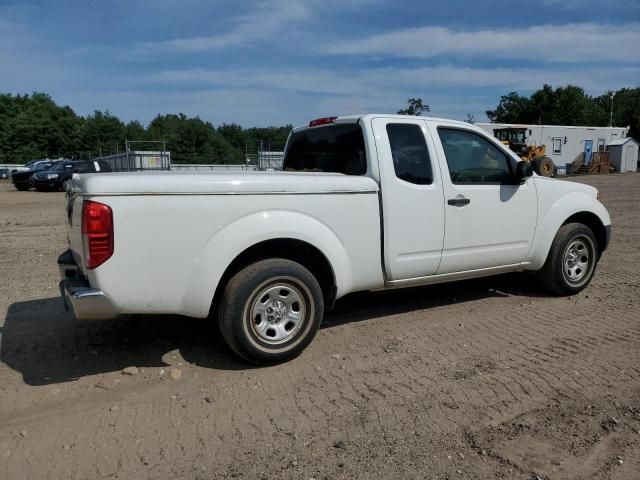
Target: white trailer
pixel 564 143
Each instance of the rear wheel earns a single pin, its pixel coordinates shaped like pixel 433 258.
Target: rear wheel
pixel 21 186
pixel 572 260
pixel 270 311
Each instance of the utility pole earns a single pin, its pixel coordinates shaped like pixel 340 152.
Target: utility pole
pixel 611 114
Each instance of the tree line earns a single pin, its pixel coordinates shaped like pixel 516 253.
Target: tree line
pixel 570 105
pixel 34 126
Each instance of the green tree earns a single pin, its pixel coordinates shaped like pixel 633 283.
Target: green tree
pixel 414 107
pixel 192 140
pixel 626 109
pixel 569 105
pixel 234 134
pixel 134 130
pixel 513 108
pixel 102 134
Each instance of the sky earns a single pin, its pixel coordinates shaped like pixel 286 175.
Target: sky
pixel 274 62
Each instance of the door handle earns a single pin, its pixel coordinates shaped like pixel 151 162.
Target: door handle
pixel 459 202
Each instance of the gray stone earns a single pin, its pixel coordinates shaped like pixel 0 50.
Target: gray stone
pixel 340 444
pixel 130 371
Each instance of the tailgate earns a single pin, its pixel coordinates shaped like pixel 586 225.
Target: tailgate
pixel 74 223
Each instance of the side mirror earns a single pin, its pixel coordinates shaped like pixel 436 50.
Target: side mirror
pixel 524 170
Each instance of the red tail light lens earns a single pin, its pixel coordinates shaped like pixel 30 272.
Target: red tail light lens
pixel 322 121
pixel 97 233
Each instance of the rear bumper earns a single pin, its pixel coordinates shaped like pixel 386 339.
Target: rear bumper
pixel 87 303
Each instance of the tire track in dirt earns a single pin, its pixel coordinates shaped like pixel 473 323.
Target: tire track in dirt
pixel 412 383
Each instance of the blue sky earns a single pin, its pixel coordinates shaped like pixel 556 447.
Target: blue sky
pixel 264 62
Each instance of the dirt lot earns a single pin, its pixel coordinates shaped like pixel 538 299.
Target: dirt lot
pixel 480 379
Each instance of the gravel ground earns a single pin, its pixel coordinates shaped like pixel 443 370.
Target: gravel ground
pixel 481 379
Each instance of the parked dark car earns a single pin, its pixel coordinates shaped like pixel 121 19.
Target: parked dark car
pixel 4 173
pixel 55 177
pixel 22 178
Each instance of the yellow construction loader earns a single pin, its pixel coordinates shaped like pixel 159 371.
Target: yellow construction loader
pixel 515 139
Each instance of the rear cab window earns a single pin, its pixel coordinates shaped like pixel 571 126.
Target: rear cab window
pixel 337 148
pixel 409 152
pixel 82 167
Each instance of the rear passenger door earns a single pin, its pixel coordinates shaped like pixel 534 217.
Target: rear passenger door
pixel 490 220
pixel 412 198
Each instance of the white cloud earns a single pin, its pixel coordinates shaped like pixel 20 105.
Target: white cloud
pixel 373 82
pixel 295 95
pixel 267 19
pixel 579 42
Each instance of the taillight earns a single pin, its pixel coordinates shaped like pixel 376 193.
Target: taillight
pixel 97 233
pixel 322 121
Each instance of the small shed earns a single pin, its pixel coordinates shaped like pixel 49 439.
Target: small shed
pixel 623 154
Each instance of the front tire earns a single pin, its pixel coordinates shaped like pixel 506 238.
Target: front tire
pixel 270 311
pixel 572 260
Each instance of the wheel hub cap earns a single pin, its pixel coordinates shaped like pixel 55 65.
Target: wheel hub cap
pixel 277 312
pixel 576 261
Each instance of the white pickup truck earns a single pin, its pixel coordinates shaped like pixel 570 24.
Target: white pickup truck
pixel 367 202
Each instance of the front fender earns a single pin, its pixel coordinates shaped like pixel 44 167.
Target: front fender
pixel 233 239
pixel 554 216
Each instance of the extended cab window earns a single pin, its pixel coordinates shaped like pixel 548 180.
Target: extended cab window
pixel 334 148
pixel 409 152
pixel 81 167
pixel 472 158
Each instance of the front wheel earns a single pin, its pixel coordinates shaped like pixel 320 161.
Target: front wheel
pixel 572 260
pixel 270 310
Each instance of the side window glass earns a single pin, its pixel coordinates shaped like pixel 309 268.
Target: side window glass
pixel 81 167
pixel 411 160
pixel 472 158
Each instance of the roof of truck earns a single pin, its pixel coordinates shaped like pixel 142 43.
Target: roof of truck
pixel 354 118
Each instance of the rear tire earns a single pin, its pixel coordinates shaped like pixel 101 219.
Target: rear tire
pixel 571 261
pixel 270 311
pixel 21 187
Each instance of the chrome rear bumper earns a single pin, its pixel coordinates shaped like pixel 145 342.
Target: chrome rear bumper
pixel 87 303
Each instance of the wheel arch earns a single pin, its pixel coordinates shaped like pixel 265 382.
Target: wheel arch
pixel 575 207
pixel 299 251
pixel 594 223
pixel 267 234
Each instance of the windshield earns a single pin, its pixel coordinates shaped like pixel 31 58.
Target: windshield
pixel 512 135
pixel 335 148
pixel 42 166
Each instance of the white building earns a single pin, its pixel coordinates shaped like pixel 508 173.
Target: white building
pixel 563 144
pixel 623 155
